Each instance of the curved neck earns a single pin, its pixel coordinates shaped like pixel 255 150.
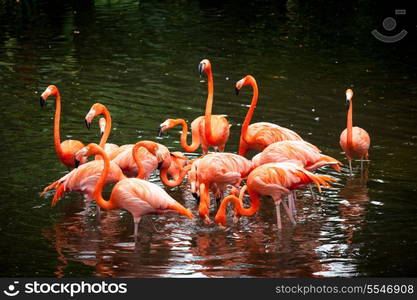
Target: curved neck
pixel 209 105
pixel 238 202
pixel 173 183
pixel 57 119
pixel 137 159
pixel 107 130
pixel 251 109
pixel 349 125
pixel 203 209
pixel 98 191
pixel 195 138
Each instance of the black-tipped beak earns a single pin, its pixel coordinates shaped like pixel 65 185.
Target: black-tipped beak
pixel 42 101
pixel 237 91
pixel 347 104
pixel 160 165
pixel 160 131
pixel 76 162
pixel 87 124
pixel 201 68
pixel 196 197
pixel 101 133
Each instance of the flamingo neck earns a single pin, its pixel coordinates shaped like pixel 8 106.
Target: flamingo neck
pixel 107 130
pixel 239 208
pixel 173 183
pixel 209 105
pixel 195 141
pixel 203 209
pixel 98 191
pixel 57 119
pixel 249 114
pixel 136 157
pixel 349 125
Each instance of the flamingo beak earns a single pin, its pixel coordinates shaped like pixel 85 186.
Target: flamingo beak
pixel 76 162
pixel 201 68
pixel 42 101
pixel 196 197
pixel 160 131
pixel 87 124
pixel 237 91
pixel 160 165
pixel 347 103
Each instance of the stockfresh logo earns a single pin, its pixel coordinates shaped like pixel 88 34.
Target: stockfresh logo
pixel 65 288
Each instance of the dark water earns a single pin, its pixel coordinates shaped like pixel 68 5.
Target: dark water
pixel 140 60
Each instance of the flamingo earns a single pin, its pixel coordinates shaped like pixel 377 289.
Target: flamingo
pixel 272 179
pixel 214 172
pixel 306 154
pixel 138 196
pixel 166 163
pixel 208 130
pixel 67 149
pixel 354 141
pixel 259 135
pixel 83 179
pixel 105 124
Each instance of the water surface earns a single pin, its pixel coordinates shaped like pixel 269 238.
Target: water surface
pixel 140 59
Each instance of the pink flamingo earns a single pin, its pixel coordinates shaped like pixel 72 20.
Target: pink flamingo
pixel 354 141
pixel 306 154
pixel 139 197
pixel 214 172
pixel 259 135
pixel 208 130
pixel 272 179
pixel 67 149
pixel 105 124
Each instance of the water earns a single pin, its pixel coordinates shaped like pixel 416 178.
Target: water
pixel 140 59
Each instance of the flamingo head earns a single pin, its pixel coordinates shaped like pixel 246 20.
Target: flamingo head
pixel 349 95
pixel 50 90
pixel 168 124
pixel 95 110
pixel 239 85
pixel 102 125
pixel 204 66
pixel 83 153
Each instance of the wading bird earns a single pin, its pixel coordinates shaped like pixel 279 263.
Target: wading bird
pixel 67 149
pixel 275 180
pixel 105 124
pixel 208 130
pixel 354 141
pixel 139 197
pixel 259 135
pixel 213 172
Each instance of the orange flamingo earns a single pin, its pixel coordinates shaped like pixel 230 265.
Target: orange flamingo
pixel 105 124
pixel 208 130
pixel 139 197
pixel 214 172
pixel 354 141
pixel 67 149
pixel 272 179
pixel 259 135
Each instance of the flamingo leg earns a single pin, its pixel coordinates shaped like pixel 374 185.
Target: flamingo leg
pixel 278 211
pixel 289 213
pixel 149 220
pixel 294 208
pixel 136 226
pixel 313 195
pixel 350 167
